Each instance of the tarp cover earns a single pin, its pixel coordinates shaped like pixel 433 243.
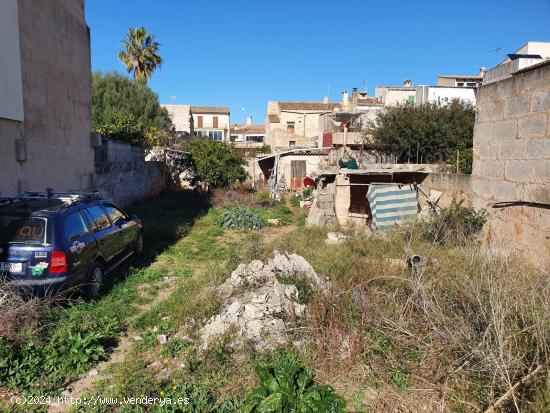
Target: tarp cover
pixel 391 204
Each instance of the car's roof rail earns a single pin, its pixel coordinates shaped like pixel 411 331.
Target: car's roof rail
pixel 68 198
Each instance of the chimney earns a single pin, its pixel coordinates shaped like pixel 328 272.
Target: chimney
pixel 354 96
pixel 249 120
pixel 345 98
pixel 325 99
pixel 482 71
pixel 407 83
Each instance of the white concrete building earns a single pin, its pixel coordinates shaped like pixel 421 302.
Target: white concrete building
pixel 206 121
pixel 211 121
pixel 248 135
pixel 530 54
pixel 443 95
pixel 396 95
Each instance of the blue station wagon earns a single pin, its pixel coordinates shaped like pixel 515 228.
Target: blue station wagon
pixel 53 241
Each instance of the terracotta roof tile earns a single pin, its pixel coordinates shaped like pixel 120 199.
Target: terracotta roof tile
pixel 369 101
pixel 248 129
pixel 318 106
pixel 224 110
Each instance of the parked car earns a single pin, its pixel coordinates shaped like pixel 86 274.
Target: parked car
pixel 52 241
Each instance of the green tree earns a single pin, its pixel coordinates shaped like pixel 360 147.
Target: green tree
pixel 216 163
pixel 431 133
pixel 124 109
pixel 140 54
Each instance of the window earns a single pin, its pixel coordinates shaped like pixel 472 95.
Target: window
pixel 19 229
pixel 214 121
pixel 460 84
pixel 291 144
pixel 216 135
pixel 290 127
pixel 471 84
pixel 116 216
pixel 74 226
pixel 98 218
pixel 199 122
pixel 410 100
pixel 254 138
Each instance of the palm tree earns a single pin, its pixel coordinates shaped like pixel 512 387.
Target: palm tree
pixel 140 54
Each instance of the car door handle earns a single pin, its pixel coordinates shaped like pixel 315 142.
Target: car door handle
pixel 77 247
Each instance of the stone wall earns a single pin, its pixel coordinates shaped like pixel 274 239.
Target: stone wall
pixel 511 171
pixel 451 186
pixel 122 172
pixel 51 146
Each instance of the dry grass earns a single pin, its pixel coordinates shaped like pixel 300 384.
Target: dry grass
pixel 19 312
pixel 462 332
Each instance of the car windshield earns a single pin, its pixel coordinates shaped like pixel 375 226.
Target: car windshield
pixel 17 229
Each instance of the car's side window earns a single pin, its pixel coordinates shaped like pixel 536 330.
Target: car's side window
pixel 74 226
pixel 116 215
pixel 98 217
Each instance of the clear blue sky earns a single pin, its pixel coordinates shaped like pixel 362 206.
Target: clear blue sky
pixel 244 53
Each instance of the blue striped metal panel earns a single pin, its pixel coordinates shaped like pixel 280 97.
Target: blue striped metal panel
pixel 391 204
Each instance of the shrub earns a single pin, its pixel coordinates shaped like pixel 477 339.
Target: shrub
pixel 287 387
pixel 217 163
pixel 240 218
pixel 457 224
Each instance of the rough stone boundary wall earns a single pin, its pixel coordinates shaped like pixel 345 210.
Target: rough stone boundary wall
pixel 511 171
pixel 122 172
pixel 452 186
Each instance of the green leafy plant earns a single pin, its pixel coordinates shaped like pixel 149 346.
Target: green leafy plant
pixel 240 218
pixel 287 387
pixel 173 348
pixel 217 163
pixel 457 224
pixel 430 133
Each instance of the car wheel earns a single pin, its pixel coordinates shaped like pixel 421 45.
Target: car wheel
pixel 95 281
pixel 139 244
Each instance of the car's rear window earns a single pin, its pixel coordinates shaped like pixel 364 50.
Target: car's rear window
pixel 17 229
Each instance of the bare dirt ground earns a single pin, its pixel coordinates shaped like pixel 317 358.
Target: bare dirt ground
pixel 79 387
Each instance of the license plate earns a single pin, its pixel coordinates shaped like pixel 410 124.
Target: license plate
pixel 11 266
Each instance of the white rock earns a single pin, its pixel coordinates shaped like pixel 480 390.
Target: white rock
pixel 335 238
pixel 93 372
pixel 162 338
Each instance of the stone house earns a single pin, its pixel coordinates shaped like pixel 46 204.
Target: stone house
pixel 511 169
pixel 294 124
pixel 45 99
pixel 345 125
pixel 248 135
pixel 212 122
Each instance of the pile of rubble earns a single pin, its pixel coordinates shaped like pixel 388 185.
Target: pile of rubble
pixel 257 306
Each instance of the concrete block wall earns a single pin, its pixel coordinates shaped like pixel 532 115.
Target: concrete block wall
pixel 128 182
pixel 122 172
pixel 512 139
pixel 511 171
